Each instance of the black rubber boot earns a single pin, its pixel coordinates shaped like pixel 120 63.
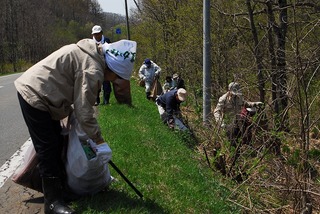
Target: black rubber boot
pixel 148 95
pixel 53 203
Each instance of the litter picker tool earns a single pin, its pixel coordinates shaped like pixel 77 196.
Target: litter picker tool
pixel 125 178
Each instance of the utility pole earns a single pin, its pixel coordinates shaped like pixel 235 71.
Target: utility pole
pixel 127 17
pixel 206 61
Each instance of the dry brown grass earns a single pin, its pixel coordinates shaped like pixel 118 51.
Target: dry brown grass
pixel 267 180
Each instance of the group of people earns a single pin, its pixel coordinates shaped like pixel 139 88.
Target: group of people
pixel 66 81
pixel 150 72
pixel 119 82
pixel 229 111
pixel 69 80
pixel 173 82
pixel 168 102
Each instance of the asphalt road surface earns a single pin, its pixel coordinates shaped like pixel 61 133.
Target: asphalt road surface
pixel 13 131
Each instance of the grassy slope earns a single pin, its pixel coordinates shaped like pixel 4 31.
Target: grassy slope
pixel 157 161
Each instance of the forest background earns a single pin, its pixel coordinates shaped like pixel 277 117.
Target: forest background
pixel 271 47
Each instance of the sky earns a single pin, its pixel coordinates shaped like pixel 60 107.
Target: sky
pixel 116 6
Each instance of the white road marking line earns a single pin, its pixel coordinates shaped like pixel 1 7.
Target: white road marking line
pixel 10 166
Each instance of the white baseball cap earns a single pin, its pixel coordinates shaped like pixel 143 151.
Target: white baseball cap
pixel 96 29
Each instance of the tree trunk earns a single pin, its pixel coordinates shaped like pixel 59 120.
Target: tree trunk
pixel 257 53
pixel 278 64
pixel 281 64
pixel 11 31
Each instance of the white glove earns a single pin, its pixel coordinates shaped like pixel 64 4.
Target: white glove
pixel 104 152
pixel 223 125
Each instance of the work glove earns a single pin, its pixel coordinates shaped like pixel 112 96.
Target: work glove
pixel 103 151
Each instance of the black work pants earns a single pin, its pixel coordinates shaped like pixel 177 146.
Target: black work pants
pixel 46 137
pixel 106 91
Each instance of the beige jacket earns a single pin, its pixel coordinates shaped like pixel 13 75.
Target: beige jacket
pixel 69 76
pixel 229 108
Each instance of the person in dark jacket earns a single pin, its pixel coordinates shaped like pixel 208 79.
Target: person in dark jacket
pixel 178 82
pixel 168 84
pixel 169 107
pixel 97 35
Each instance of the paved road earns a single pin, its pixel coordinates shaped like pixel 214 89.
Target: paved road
pixel 13 134
pixel 13 131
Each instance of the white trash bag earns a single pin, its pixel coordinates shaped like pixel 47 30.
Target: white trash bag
pixel 120 57
pixel 86 172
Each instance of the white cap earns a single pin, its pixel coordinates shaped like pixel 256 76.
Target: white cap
pixel 96 29
pixel 182 94
pixel 234 88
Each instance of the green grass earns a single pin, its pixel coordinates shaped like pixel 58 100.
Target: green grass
pixel 159 163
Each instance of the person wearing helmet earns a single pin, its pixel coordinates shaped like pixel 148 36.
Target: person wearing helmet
pixel 148 72
pixel 228 111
